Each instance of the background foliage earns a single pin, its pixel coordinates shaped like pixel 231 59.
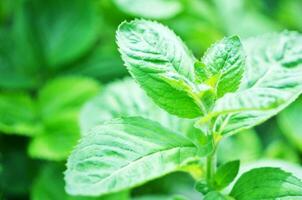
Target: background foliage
pixel 58 56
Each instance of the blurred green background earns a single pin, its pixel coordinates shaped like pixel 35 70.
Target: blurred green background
pixel 55 55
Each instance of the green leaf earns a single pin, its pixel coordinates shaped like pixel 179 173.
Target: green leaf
pixel 290 123
pixel 122 148
pixel 273 79
pixel 57 139
pixel 18 114
pixel 64 31
pixel 267 183
pixel 49 185
pixel 225 61
pixel 161 9
pixel 60 102
pixel 162 65
pixel 125 99
pixel 65 94
pixel 216 196
pixel 15 42
pixel 226 174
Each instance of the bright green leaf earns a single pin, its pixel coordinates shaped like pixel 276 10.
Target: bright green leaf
pixel 216 196
pixel 162 65
pixel 124 153
pixel 226 174
pixel 18 114
pixel 267 183
pixel 160 9
pixel 56 141
pixel 273 79
pixel 225 60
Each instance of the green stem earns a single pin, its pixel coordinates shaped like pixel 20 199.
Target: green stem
pixel 211 166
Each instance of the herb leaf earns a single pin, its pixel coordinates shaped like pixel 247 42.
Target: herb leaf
pixel 128 147
pixel 267 183
pixel 226 174
pixel 273 80
pixel 162 65
pixel 225 61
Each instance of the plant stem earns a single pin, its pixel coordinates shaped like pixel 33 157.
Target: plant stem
pixel 211 162
pixel 211 166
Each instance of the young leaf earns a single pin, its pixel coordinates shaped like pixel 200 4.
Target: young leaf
pixel 226 174
pixel 267 183
pixel 162 65
pixel 225 61
pixel 161 9
pixel 124 153
pixel 273 80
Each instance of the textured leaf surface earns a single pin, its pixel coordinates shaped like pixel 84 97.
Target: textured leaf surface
pixel 161 9
pixel 161 64
pixel 124 99
pixel 124 153
pixel 272 80
pixel 49 185
pixel 226 174
pixel 290 123
pixel 225 60
pixel 18 114
pixel 267 183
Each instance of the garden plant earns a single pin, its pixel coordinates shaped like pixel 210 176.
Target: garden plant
pixel 178 109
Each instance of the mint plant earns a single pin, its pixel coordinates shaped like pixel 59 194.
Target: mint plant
pixel 233 87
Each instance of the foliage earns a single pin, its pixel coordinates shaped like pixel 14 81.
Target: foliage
pixel 224 96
